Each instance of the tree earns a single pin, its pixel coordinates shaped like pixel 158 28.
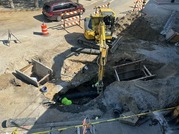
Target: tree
pixel 11 3
pixel 36 3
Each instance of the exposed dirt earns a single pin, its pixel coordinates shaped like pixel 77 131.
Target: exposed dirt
pixel 140 42
pixel 136 25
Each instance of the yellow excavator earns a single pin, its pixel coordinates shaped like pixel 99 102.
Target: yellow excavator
pixel 98 34
pixel 91 25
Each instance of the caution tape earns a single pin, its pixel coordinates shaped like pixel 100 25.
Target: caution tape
pixel 105 121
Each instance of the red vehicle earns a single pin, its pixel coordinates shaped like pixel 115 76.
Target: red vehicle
pixel 55 10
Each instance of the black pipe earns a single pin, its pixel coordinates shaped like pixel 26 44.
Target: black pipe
pixel 85 50
pixel 20 122
pixel 79 95
pixel 117 110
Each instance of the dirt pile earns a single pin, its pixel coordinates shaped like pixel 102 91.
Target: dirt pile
pixel 123 92
pixel 136 25
pixel 142 95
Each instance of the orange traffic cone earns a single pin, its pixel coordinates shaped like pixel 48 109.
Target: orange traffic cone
pixel 44 29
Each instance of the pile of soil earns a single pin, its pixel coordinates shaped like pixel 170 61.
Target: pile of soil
pixel 136 25
pixel 141 29
pixel 143 95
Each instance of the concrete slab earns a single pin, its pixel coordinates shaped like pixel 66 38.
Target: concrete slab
pixel 130 121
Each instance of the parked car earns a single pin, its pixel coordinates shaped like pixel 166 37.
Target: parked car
pixel 55 10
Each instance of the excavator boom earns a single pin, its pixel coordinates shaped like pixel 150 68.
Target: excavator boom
pixel 103 56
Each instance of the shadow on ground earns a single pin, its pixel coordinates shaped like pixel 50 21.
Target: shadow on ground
pixel 41 18
pixel 72 39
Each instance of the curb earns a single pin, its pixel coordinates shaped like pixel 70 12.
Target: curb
pixel 21 10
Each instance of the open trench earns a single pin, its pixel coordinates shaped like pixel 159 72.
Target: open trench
pixel 85 95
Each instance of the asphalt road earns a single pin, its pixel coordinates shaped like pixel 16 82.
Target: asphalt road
pixel 118 6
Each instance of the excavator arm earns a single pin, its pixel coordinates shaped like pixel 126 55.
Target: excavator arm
pixel 103 56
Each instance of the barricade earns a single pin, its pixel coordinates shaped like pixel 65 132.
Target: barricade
pixel 72 21
pixel 139 5
pixel 102 6
pixel 70 13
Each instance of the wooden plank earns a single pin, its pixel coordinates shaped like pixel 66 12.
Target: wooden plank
pixel 127 64
pixel 116 75
pixel 145 77
pixel 144 72
pixel 46 76
pixel 147 70
pixel 51 90
pixel 26 67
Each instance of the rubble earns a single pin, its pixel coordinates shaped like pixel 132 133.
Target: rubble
pixel 172 36
pixel 130 121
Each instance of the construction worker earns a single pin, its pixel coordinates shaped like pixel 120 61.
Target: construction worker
pixel 86 126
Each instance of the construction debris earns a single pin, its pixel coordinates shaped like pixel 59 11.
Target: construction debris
pixel 130 121
pixel 85 50
pixel 20 122
pixel 172 36
pixel 176 114
pixel 169 23
pixel 163 123
pixel 10 37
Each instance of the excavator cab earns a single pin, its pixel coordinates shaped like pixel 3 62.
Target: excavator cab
pixel 91 24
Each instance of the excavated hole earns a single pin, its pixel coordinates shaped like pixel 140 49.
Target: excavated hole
pixel 123 61
pixel 86 92
pixel 82 94
pixel 128 69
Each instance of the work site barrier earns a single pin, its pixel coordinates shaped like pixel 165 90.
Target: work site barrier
pixel 139 5
pixel 72 21
pixel 102 6
pixel 44 29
